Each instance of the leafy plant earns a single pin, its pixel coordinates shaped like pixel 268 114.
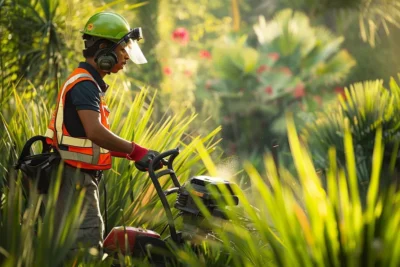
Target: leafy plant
pixel 367 107
pixel 29 237
pixel 32 36
pixel 372 16
pixel 289 69
pixel 300 222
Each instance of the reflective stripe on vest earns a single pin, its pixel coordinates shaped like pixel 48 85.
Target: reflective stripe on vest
pixel 77 152
pixel 73 141
pixel 68 155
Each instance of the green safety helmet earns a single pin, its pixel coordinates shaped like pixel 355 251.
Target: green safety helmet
pixel 114 27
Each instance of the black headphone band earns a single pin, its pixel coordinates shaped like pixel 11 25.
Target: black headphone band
pixel 113 46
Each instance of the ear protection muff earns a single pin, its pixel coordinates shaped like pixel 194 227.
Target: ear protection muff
pixel 106 58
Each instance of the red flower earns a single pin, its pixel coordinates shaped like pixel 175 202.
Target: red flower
pixel 269 90
pixel 274 56
pixel 299 91
pixel 340 91
pixel 262 68
pixel 205 54
pixel 167 71
pixel 181 35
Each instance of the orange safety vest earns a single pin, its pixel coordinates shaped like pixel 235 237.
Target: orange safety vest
pixel 80 152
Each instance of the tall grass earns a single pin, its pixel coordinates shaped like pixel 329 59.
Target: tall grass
pixel 27 239
pixel 366 106
pixel 296 222
pixel 281 221
pixel 132 191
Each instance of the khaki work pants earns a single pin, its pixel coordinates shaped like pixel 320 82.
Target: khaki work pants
pixel 90 233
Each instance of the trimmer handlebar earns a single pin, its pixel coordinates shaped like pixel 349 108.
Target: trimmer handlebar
pixel 171 155
pixel 161 157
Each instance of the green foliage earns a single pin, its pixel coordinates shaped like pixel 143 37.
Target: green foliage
pixel 375 62
pixel 29 238
pixel 131 191
pixel 21 121
pixel 367 107
pixel 313 54
pixel 40 42
pixel 299 222
pixel 32 36
pixel 282 220
pixel 372 17
pixel 288 70
pixel 180 56
pixel 127 190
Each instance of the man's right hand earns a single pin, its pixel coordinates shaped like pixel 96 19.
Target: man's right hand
pixel 143 164
pixel 143 157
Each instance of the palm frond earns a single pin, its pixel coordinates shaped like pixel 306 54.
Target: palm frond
pixel 367 107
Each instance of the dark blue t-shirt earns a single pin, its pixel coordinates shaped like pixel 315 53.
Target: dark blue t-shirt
pixel 83 96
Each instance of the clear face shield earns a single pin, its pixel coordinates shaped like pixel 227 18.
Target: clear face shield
pixel 129 43
pixel 135 53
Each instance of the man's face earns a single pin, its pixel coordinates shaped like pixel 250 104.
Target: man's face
pixel 122 56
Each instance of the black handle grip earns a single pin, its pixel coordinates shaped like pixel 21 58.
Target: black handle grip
pixel 161 157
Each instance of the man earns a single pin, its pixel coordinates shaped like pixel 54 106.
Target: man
pixel 79 127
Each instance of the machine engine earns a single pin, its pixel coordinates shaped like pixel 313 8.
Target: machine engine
pixel 203 186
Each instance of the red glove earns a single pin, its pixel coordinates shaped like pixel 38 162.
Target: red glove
pixel 137 153
pixel 142 157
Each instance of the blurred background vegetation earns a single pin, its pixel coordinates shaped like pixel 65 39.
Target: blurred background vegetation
pixel 221 73
pixel 240 67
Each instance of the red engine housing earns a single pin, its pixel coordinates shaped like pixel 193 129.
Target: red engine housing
pixel 115 240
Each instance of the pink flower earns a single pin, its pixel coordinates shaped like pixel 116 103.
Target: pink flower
pixel 274 56
pixel 188 73
pixel 205 54
pixel 318 99
pixel 262 68
pixel 269 90
pixel 286 70
pixel 181 35
pixel 299 91
pixel 208 84
pixel 167 71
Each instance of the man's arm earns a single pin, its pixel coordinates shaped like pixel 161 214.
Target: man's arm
pixel 100 135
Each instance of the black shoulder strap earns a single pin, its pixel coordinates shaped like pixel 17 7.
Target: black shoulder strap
pixel 26 151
